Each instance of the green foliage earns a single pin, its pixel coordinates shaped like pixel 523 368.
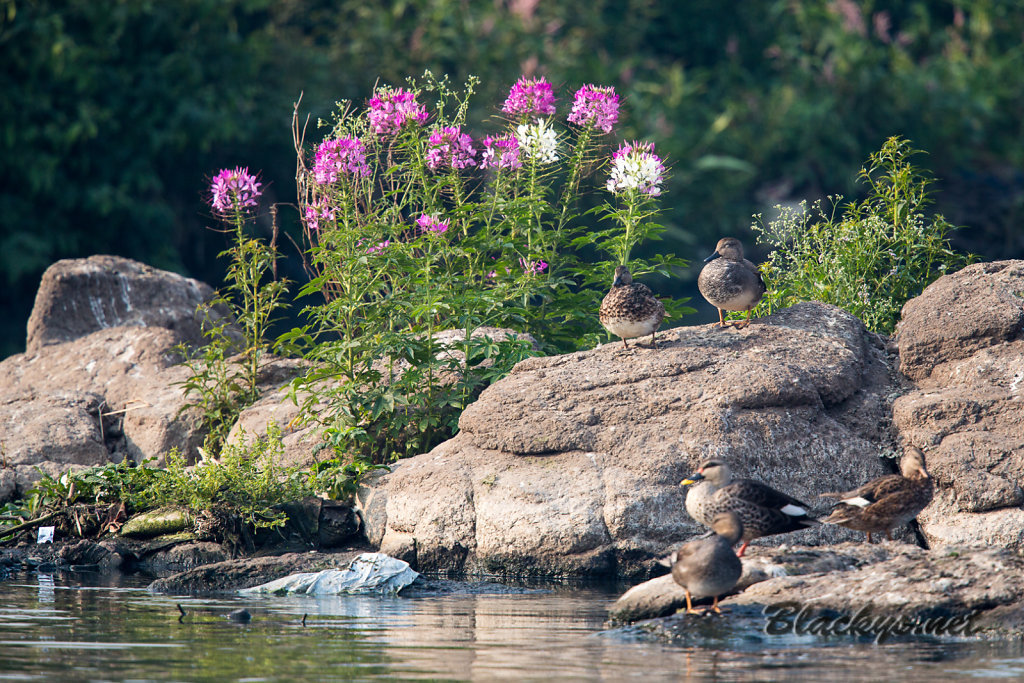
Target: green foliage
pixel 247 483
pixel 397 346
pixel 247 480
pixel 111 111
pixel 870 259
pixel 224 372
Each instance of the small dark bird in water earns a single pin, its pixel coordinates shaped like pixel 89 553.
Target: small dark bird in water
pixel 730 282
pixel 240 616
pixel 708 567
pixel 630 309
pixel 762 510
pixel 887 502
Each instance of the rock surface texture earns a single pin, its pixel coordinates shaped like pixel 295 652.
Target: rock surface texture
pixel 98 380
pixel 962 345
pixel 571 465
pixel 881 591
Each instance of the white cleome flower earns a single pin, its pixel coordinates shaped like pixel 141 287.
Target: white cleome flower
pixel 538 141
pixel 635 166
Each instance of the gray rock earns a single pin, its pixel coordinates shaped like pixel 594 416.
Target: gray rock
pixel 101 398
pixel 79 296
pixel 181 557
pixel 972 591
pixel 960 314
pixel 962 344
pixel 231 575
pixel 661 596
pixel 571 464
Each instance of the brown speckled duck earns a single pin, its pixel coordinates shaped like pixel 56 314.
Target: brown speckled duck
pixel 887 502
pixel 762 510
pixel 730 282
pixel 630 309
pixel 707 567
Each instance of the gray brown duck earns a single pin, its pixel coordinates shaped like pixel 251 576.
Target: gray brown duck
pixel 630 309
pixel 708 567
pixel 887 502
pixel 730 282
pixel 762 510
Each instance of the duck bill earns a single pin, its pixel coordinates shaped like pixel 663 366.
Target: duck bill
pixel 617 282
pixel 712 257
pixel 692 479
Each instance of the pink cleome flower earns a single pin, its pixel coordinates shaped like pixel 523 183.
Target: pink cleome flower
pixel 596 105
pixel 450 147
pixel 380 246
pixel 234 190
pixel 431 223
pixel 533 266
pixel 391 109
pixel 500 152
pixel 338 158
pixel 319 210
pixel 530 97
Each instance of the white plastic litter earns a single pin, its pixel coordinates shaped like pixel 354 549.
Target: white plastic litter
pixel 45 534
pixel 367 573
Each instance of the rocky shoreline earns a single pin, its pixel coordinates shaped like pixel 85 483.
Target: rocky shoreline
pixel 569 467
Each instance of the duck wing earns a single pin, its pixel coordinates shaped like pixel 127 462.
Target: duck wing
pixel 871 492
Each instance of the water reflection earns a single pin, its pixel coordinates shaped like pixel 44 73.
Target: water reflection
pixel 67 627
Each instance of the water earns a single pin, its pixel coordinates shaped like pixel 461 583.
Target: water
pixel 82 627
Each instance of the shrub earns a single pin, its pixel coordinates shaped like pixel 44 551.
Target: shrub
pixel 871 258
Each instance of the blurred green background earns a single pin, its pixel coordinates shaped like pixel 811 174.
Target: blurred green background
pixel 115 113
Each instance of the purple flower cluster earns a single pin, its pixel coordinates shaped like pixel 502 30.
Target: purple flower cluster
pixel 500 152
pixel 533 266
pixel 319 210
pixel 431 223
pixel 380 246
pixel 391 109
pixel 450 147
pixel 530 97
pixel 338 158
pixel 596 105
pixel 234 190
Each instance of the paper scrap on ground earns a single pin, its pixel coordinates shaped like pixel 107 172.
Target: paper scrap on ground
pixel 45 534
pixel 367 573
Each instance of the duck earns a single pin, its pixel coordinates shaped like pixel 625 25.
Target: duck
pixel 887 502
pixel 730 282
pixel 762 510
pixel 707 567
pixel 629 309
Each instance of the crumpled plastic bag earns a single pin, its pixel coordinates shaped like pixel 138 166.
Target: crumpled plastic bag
pixel 367 573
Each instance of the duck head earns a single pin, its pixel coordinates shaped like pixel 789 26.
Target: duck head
pixel 715 471
pixel 622 277
pixel 728 526
pixel 728 248
pixel 912 464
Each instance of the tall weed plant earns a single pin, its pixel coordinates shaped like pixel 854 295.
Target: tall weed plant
pixel 224 372
pixel 869 257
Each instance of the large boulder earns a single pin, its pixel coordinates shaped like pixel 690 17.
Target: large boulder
pixel 80 296
pixel 571 465
pixel 962 344
pixel 99 381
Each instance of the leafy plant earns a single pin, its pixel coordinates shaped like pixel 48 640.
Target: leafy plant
pixel 247 480
pixel 420 239
pixel 871 258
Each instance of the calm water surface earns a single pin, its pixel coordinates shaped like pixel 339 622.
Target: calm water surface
pixel 75 627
